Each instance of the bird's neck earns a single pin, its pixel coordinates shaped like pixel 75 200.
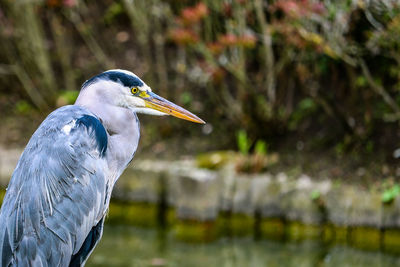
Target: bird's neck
pixel 122 126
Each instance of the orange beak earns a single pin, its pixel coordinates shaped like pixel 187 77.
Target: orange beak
pixel 158 103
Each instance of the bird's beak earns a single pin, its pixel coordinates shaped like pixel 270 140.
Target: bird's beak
pixel 158 103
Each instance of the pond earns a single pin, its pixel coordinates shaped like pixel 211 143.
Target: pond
pixel 131 246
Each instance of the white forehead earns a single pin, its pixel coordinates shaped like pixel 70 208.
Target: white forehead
pixel 145 87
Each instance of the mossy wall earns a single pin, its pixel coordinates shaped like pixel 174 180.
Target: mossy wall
pixel 203 205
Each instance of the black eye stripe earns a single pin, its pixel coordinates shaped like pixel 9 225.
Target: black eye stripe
pixel 124 79
pixel 116 76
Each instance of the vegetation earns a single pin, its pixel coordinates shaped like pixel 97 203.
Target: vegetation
pixel 390 193
pixel 324 71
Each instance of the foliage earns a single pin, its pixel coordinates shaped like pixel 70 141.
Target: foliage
pixel 261 148
pixel 272 68
pixel 243 142
pixel 390 193
pixel 23 107
pixel 256 162
pixel 216 160
pixel 315 195
pixel 67 97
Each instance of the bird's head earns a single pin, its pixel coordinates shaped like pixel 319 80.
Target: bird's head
pixel 125 89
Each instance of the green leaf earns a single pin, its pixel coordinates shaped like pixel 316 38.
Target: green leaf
pixel 387 196
pixel 307 103
pixel 69 96
pixel 186 98
pixel 23 107
pixel 243 142
pixel 396 190
pixel 261 147
pixel 390 194
pixel 315 194
pixel 112 12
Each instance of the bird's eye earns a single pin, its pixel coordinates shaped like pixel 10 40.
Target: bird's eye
pixel 134 90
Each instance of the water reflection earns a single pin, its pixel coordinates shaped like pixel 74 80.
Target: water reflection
pixel 129 246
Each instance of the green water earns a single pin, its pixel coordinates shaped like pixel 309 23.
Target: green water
pixel 129 246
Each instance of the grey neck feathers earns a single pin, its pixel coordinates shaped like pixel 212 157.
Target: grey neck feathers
pixel 120 123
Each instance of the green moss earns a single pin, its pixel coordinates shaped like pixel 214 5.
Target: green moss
pixel 170 216
pixel 341 234
pixel 328 233
pixel 241 224
pixel 194 231
pixel 139 214
pixel 365 238
pixel 391 240
pixel 235 224
pixel 215 160
pixel 2 194
pixel 300 231
pixel 272 228
pixel 224 224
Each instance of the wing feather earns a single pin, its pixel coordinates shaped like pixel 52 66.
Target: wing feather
pixel 57 192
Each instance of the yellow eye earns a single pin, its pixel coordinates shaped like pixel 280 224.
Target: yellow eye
pixel 134 90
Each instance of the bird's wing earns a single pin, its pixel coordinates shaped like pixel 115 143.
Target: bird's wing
pixel 57 193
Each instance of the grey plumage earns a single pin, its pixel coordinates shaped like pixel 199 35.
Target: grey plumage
pixel 57 192
pixel 53 212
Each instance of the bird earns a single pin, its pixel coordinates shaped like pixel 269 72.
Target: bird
pixel 59 193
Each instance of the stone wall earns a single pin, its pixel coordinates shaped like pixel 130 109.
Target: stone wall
pixel 200 204
pixel 274 206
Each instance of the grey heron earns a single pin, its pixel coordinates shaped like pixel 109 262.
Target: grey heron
pixel 56 201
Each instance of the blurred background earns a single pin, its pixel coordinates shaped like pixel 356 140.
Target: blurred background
pixel 303 88
pixel 319 75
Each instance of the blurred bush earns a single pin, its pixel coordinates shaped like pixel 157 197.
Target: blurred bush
pixel 325 69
